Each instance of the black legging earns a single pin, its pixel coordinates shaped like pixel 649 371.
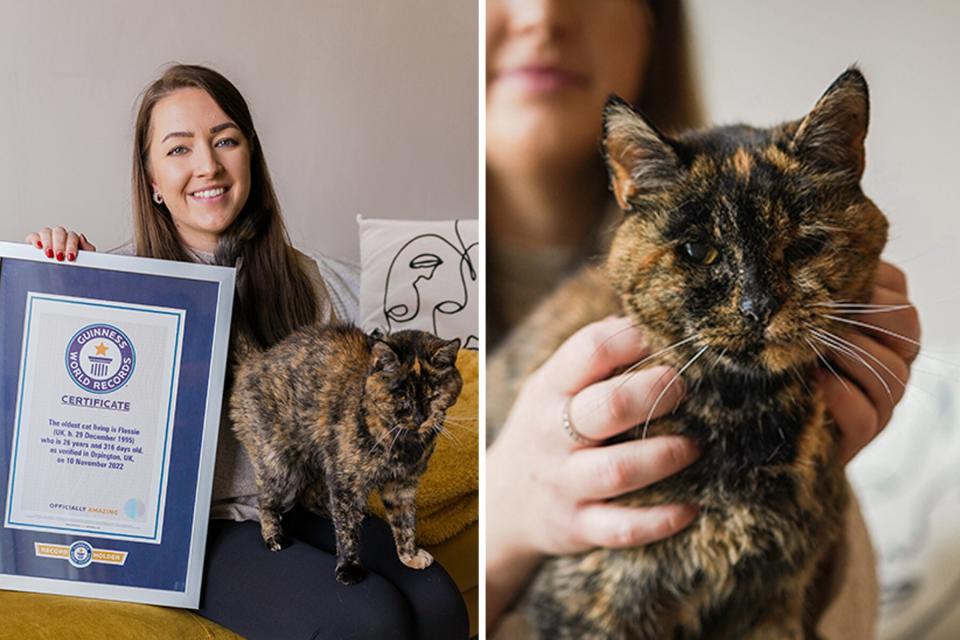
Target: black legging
pixel 293 593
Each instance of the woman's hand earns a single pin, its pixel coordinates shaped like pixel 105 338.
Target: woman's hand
pixel 860 403
pixel 546 492
pixel 59 243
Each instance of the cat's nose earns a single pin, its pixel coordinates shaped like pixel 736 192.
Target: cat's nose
pixel 758 308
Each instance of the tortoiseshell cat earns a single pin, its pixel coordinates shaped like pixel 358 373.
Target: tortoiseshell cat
pixel 329 414
pixel 734 241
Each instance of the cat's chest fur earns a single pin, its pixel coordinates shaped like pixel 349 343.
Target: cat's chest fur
pixel 770 493
pixel 750 432
pixel 768 454
pixel 768 484
pixel 391 458
pixel 371 460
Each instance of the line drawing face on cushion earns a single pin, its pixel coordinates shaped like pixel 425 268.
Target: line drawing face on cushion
pixel 430 267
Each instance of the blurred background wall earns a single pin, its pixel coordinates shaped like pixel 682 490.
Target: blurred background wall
pixel 363 106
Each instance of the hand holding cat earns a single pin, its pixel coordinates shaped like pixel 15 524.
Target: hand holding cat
pixel 888 346
pixel 546 494
pixel 59 243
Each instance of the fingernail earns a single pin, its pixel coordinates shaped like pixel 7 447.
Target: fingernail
pixel 49 253
pixel 60 256
pixel 684 516
pixel 71 256
pixel 39 245
pixel 686 453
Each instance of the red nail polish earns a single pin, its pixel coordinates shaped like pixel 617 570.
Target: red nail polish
pixel 49 253
pixel 39 245
pixel 71 257
pixel 60 256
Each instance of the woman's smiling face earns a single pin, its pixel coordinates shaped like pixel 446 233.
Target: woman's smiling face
pixel 199 161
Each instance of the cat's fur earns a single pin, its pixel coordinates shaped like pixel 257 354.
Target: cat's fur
pixel 330 414
pixel 784 208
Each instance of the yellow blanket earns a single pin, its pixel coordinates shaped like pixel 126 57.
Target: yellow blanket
pixel 447 498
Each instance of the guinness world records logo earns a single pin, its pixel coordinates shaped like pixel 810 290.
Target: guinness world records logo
pixel 81 554
pixel 100 358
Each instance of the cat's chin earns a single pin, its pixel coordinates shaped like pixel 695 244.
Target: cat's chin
pixel 768 359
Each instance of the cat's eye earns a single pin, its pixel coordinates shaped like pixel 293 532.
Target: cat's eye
pixel 700 252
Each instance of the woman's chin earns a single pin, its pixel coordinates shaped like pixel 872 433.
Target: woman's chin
pixel 206 228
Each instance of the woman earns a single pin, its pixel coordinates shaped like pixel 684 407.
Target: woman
pixel 551 66
pixel 199 179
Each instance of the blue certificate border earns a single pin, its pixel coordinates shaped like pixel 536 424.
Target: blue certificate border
pixel 168 573
pixel 16 440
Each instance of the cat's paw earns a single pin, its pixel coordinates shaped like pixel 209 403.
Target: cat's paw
pixel 419 560
pixel 276 542
pixel 350 574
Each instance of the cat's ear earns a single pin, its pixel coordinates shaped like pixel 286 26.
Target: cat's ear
pixel 384 357
pixel 640 158
pixel 446 356
pixel 831 136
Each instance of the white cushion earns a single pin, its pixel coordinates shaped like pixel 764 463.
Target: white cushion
pixel 908 481
pixel 423 275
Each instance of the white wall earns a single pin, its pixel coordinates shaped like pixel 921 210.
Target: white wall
pixel 765 62
pixel 363 106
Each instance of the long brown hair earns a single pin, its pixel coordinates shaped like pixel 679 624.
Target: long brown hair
pixel 274 294
pixel 670 95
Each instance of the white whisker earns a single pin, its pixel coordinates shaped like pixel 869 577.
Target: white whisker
pixel 893 375
pixel 399 429
pixel 449 435
pixel 866 309
pixel 666 388
pixel 858 358
pixel 609 338
pixel 860 304
pixel 626 375
pixel 874 328
pixel 864 352
pixel 382 439
pixel 828 365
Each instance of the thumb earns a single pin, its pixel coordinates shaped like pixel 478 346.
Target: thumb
pixel 85 244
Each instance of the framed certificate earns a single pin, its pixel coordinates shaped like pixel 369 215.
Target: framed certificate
pixel 111 381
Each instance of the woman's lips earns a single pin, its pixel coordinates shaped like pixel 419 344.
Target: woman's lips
pixel 541 79
pixel 210 196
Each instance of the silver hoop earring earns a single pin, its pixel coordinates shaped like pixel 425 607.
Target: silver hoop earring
pixel 157 197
